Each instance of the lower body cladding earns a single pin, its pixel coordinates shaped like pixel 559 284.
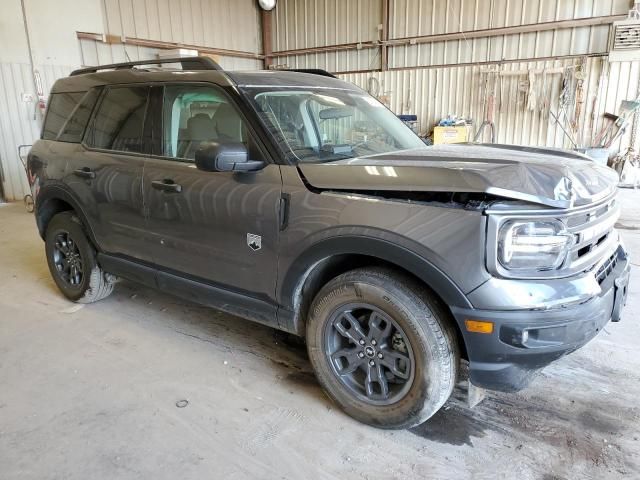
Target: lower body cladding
pixel 513 345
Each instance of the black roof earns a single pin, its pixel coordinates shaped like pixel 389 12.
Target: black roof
pixel 83 82
pixel 288 78
pixel 187 63
pixel 198 69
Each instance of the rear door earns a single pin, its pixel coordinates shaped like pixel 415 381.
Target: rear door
pixel 106 175
pixel 216 228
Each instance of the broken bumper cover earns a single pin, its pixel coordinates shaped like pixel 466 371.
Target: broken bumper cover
pixel 524 341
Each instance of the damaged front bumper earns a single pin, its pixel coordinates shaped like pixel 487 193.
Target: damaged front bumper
pixel 524 341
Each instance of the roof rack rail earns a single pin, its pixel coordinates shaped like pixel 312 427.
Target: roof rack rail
pixel 188 63
pixel 314 71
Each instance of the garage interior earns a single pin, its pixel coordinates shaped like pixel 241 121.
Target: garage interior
pixel 145 385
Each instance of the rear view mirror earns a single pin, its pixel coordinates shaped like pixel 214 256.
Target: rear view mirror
pixel 225 157
pixel 335 113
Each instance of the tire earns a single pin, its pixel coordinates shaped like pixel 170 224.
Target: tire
pixel 92 284
pixel 423 348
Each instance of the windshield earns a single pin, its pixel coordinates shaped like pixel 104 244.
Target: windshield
pixel 321 125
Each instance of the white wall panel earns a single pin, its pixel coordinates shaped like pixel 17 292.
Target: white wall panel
pixel 210 23
pixel 348 60
pixel 313 23
pixel 451 16
pixel 19 121
pixel 235 63
pixel 410 18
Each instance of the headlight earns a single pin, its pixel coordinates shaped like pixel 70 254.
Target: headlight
pixel 533 245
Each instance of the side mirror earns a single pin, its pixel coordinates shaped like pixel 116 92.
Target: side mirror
pixel 225 157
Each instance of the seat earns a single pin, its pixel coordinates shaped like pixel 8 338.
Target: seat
pixel 228 124
pixel 200 128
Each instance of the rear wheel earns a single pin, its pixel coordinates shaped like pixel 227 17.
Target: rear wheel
pixel 72 261
pixel 382 347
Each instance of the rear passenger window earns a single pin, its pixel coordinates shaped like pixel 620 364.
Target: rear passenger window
pixel 193 115
pixel 59 110
pixel 119 121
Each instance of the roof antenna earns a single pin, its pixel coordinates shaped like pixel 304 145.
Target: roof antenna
pixel 124 47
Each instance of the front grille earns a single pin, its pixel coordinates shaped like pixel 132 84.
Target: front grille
pixel 593 231
pixel 606 268
pixel 590 228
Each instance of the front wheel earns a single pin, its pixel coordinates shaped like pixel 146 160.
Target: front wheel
pixel 383 347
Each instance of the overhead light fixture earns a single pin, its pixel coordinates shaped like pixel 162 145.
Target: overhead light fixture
pixel 267 4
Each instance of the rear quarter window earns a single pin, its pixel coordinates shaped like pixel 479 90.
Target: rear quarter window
pixel 73 129
pixel 67 115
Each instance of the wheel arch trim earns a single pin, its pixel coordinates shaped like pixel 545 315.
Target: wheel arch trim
pixel 291 289
pixel 58 191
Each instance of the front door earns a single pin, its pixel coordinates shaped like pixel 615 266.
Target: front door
pixel 219 229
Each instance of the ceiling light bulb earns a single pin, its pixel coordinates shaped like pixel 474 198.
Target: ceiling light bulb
pixel 267 4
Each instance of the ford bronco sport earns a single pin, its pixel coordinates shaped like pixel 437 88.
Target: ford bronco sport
pixel 297 200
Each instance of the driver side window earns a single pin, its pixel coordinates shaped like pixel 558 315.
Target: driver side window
pixel 194 115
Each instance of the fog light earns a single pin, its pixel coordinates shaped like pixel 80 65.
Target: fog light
pixel 479 327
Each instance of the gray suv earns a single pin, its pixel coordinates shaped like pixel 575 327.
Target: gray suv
pixel 298 201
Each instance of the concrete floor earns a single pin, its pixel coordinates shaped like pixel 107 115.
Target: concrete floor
pixel 90 393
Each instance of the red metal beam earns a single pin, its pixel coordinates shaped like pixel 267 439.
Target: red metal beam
pixel 143 42
pixel 485 33
pixel 267 37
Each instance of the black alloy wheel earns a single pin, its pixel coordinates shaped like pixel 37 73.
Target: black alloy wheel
pixel 72 260
pixel 382 346
pixel 369 353
pixel 68 260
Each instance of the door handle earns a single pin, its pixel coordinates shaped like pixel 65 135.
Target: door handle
pixel 84 172
pixel 166 185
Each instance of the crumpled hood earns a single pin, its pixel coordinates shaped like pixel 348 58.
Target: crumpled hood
pixel 556 178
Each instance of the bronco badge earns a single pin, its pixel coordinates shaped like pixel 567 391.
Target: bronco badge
pixel 254 241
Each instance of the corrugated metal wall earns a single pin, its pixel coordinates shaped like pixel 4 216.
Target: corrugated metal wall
pixel 313 23
pixel 449 16
pixel 440 78
pixel 434 93
pixel 213 23
pixel 316 23
pixel 206 23
pixel 20 121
